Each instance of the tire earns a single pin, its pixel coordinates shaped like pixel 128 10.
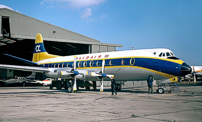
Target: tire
pixel 51 86
pixel 118 88
pixel 70 89
pixel 23 84
pixel 5 84
pixel 160 90
pixel 58 85
pixel 87 87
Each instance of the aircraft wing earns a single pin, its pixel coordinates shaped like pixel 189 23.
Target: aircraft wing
pixel 25 68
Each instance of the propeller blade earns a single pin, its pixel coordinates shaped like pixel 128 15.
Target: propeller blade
pixel 103 65
pixel 101 88
pixel 74 63
pixel 194 75
pixel 75 86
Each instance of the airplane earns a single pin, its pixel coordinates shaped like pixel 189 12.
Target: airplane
pixel 22 80
pixel 129 65
pixel 196 72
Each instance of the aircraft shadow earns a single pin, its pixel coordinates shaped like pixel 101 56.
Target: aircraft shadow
pixel 55 91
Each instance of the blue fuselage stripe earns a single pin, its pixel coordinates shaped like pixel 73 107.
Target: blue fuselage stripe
pixel 159 65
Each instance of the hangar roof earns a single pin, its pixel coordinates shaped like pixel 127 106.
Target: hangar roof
pixel 20 27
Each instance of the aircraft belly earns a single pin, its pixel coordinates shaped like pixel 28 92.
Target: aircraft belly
pixel 132 74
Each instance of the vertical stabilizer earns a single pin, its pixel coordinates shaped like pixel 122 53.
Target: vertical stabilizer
pixel 40 51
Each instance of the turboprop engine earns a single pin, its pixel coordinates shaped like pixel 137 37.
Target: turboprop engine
pixel 91 75
pixel 62 73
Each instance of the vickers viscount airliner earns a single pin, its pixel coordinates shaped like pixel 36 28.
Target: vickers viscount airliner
pixel 131 65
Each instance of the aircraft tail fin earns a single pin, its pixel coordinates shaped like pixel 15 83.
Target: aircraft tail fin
pixel 40 51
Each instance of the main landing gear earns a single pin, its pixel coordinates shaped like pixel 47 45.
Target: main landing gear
pixel 68 85
pixel 59 84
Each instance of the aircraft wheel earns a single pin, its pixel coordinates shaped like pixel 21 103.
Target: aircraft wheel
pixel 70 89
pixel 51 86
pixel 118 88
pixel 87 87
pixel 5 84
pixel 160 90
pixel 23 83
pixel 59 85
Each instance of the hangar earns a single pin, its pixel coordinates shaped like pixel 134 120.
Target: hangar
pixel 18 34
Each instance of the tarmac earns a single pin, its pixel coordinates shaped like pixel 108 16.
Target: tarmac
pixel 133 103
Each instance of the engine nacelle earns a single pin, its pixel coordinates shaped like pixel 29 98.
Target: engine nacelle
pixel 90 75
pixel 62 73
pixel 68 73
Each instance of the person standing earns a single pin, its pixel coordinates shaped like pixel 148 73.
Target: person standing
pixel 113 83
pixel 150 84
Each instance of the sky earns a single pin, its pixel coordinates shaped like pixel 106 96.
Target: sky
pixel 142 24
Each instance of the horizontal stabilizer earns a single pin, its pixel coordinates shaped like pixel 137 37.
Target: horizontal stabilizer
pixel 25 68
pixel 21 60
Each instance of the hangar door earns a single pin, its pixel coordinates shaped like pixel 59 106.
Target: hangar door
pixel 5 28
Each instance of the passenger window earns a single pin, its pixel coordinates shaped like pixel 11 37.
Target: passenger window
pixel 132 61
pixel 167 53
pixel 84 63
pixel 79 64
pixel 110 62
pixel 122 61
pixel 55 71
pixel 91 63
pixel 98 63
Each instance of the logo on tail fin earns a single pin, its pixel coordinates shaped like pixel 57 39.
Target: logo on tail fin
pixel 37 48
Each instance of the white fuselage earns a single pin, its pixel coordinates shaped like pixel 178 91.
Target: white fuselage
pixel 138 65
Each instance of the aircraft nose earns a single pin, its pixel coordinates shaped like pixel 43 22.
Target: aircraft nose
pixel 185 69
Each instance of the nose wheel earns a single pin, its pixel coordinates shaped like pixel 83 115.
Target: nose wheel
pixel 160 90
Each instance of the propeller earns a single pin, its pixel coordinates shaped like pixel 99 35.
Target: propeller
pixel 103 66
pixel 75 86
pixel 194 73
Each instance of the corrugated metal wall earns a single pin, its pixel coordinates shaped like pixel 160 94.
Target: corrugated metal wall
pixel 102 48
pixel 28 27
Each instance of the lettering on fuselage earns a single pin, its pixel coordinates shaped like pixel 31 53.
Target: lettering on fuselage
pixel 90 57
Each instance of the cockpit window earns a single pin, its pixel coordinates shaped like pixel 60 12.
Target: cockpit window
pixel 163 54
pixel 168 54
pixel 172 54
pixel 160 54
